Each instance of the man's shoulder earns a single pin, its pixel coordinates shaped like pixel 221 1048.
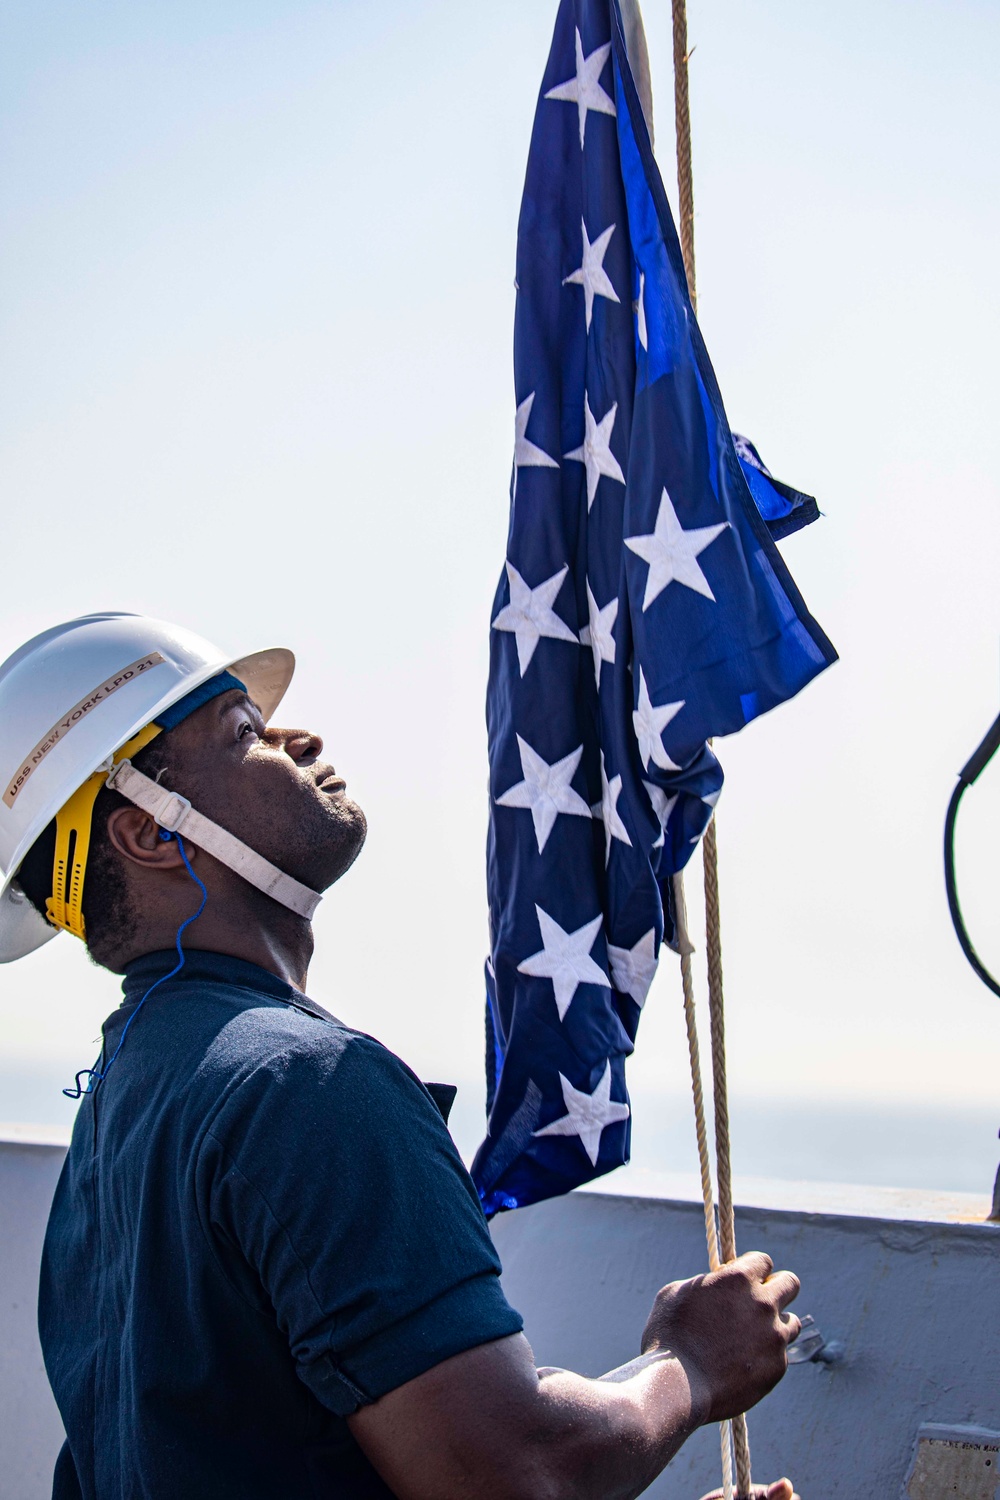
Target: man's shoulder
pixel 251 1028
pixel 288 1056
pixel 244 1009
pixel 281 1088
pixel 222 1046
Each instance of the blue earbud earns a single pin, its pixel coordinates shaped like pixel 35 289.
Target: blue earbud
pixel 96 1075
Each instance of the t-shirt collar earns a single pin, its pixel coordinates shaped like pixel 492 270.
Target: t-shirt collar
pixel 199 964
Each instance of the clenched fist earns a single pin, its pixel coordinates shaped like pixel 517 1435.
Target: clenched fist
pixel 781 1489
pixel 730 1330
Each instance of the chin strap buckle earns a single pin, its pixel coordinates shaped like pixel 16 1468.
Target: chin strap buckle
pixel 169 809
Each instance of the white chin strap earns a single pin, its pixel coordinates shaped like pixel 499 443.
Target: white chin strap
pixel 175 813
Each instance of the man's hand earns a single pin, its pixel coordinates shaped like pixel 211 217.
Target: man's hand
pixel 781 1489
pixel 730 1331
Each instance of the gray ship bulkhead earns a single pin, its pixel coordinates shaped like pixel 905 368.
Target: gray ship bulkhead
pixel 908 1284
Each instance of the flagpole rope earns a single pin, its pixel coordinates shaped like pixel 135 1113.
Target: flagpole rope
pixel 694 1056
pixel 682 125
pixel 717 1021
pixel 701 1131
pixel 720 1096
pixel 713 944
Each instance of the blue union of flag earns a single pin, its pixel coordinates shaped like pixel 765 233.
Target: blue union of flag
pixel 643 608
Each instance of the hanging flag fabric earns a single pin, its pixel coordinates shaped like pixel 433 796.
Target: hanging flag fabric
pixel 642 609
pixel 783 509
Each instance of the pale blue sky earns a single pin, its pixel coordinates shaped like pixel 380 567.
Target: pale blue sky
pixel 256 280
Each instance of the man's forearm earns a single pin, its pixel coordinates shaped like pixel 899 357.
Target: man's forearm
pixel 486 1425
pixel 608 1439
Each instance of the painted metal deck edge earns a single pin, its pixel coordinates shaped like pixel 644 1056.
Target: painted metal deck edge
pixel 807 1198
pixel 810 1198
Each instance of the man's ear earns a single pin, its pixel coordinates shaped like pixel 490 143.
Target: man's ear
pixel 135 835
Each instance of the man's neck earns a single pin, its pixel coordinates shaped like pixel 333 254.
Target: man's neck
pixel 264 934
pixel 285 954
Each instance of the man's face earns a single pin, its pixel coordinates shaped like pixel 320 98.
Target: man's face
pixel 269 787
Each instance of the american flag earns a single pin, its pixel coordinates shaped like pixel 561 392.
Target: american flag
pixel 642 609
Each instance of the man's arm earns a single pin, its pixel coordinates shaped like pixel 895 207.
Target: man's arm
pixel 487 1425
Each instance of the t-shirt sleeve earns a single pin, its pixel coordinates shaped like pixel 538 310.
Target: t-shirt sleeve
pixel 333 1173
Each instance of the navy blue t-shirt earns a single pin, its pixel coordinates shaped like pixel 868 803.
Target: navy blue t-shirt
pixel 262 1225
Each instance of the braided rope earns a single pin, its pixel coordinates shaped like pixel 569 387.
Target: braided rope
pixel 682 125
pixel 701 1132
pixel 720 1094
pixel 727 1228
pixel 717 1018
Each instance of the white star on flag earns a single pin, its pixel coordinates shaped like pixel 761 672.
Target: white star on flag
pixel 526 453
pixel 546 790
pixel 649 723
pixel 565 959
pixel 530 615
pixel 597 635
pixel 710 800
pixel 614 828
pixel 587 1115
pixel 591 274
pixel 595 450
pixel 585 90
pixel 632 969
pixel 640 312
pixel 663 805
pixel 672 553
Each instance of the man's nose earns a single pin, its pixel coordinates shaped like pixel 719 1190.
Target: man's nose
pixel 303 746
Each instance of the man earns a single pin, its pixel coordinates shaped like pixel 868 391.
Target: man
pixel 266 1272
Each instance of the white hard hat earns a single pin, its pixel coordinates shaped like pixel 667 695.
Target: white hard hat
pixel 69 699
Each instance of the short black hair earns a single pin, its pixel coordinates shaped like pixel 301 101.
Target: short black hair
pixel 107 915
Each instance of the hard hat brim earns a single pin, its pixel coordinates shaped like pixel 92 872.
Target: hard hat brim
pixel 22 928
pixel 265 674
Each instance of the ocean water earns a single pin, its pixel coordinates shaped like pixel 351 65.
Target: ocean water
pixel 904 1146
pixel 887 1145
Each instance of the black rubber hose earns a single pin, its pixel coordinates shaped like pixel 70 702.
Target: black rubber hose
pixel 976 763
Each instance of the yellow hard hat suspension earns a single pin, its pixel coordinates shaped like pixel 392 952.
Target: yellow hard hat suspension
pixel 73 831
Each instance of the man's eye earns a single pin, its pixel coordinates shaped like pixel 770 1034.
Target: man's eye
pixel 245 729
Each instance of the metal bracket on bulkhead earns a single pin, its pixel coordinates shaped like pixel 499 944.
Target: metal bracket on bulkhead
pixel 811 1347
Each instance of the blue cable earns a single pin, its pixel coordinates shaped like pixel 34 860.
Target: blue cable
pixel 94 1075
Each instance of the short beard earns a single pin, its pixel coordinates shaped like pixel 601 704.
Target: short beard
pixel 328 843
